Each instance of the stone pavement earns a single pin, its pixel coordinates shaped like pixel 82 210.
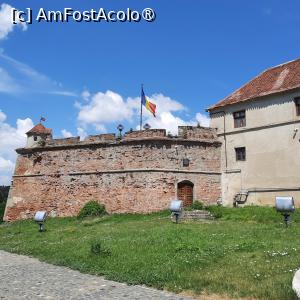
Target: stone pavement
pixel 22 277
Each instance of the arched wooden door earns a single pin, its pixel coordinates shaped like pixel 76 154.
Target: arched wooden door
pixel 185 192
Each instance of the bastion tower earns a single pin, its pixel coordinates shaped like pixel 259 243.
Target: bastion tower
pixel 139 172
pixel 38 135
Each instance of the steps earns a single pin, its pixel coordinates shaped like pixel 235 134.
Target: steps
pixel 195 215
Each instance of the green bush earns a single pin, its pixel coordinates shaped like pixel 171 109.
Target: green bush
pixel 197 205
pixel 97 249
pixel 92 209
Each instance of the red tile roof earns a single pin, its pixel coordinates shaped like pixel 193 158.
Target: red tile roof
pixel 274 80
pixel 40 128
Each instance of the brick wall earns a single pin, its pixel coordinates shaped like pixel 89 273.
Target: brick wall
pixel 135 176
pixel 152 133
pixel 62 142
pixel 198 133
pixel 100 138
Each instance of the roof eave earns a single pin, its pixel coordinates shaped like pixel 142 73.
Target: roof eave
pixel 253 98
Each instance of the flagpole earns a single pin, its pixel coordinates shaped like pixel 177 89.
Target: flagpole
pixel 141 115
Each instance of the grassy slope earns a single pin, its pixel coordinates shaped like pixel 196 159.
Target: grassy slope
pixel 249 253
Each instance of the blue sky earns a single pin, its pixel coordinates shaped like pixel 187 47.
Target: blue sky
pixel 85 77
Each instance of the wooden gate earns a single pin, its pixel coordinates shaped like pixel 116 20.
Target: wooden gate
pixel 185 192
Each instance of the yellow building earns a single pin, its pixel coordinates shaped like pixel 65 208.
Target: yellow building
pixel 259 127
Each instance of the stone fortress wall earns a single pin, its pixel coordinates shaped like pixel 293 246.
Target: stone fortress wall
pixel 138 173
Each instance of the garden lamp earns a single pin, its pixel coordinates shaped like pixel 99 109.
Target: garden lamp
pixel 40 218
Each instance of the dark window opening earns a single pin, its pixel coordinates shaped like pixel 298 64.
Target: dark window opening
pixel 297 103
pixel 186 162
pixel 240 153
pixel 239 119
pixel 35 138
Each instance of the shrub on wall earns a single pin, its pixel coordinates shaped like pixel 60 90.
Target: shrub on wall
pixel 197 205
pixel 92 209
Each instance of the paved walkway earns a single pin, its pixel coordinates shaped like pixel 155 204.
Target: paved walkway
pixel 22 277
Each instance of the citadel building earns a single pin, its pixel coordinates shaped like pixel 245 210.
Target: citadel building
pixel 258 126
pixel 249 156
pixel 138 173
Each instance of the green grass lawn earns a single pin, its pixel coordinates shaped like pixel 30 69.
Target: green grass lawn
pixel 247 252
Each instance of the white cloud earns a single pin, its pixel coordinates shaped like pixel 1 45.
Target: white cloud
pixel 10 139
pixel 6 21
pixel 101 128
pixel 6 165
pixel 2 116
pixel 167 121
pixel 5 179
pixel 86 95
pixel 166 104
pixel 165 117
pixel 17 77
pixel 163 104
pixel 7 83
pixel 203 120
pixel 66 134
pixel 64 93
pixel 108 107
pixel 165 107
pixel 81 132
pixel 104 108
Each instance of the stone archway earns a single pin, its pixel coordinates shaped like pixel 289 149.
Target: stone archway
pixel 185 192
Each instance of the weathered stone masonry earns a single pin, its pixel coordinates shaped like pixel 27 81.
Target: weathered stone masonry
pixel 136 174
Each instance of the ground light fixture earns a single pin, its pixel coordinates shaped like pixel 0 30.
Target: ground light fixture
pixel 285 206
pixel 40 218
pixel 176 209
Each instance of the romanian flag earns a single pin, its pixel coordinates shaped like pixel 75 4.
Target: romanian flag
pixel 149 105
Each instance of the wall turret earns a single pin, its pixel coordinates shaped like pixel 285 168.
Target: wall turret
pixel 38 135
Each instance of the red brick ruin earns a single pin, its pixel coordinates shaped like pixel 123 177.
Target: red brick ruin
pixel 140 172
